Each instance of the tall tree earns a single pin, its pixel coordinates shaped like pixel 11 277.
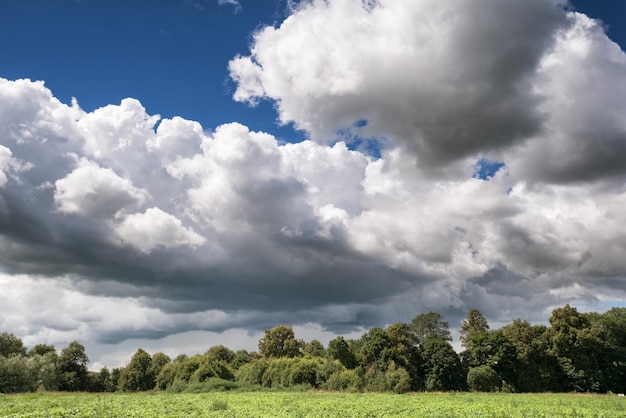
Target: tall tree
pixel 473 325
pixel 159 360
pixel 73 367
pixel 579 347
pixel 430 325
pixel 443 369
pixel 137 375
pixel 280 341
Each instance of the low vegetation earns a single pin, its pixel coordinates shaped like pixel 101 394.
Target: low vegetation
pixel 312 404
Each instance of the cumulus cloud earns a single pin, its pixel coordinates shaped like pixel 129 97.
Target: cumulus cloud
pixel 449 81
pixel 95 191
pixel 153 228
pixel 195 230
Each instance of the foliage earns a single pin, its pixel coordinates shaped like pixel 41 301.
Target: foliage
pixel 137 375
pixel 443 369
pixel 10 345
pixel 279 342
pixel 430 325
pixel 339 349
pixel 483 379
pixel 474 325
pixel 73 367
pixel 314 348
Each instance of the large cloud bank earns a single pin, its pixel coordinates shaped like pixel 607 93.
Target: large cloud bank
pixel 184 229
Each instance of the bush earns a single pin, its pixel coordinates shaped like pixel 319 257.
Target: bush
pixel 483 379
pixel 344 380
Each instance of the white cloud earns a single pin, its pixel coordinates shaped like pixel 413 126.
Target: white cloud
pixel 91 190
pixel 5 160
pixel 153 228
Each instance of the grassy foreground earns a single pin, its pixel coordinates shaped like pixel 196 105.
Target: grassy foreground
pixel 311 404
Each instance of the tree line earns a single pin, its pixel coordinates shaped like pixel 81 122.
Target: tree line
pixel 577 352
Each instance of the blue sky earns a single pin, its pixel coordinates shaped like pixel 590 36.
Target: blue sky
pixel 433 155
pixel 172 55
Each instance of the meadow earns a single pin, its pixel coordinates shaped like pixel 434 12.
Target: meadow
pixel 311 404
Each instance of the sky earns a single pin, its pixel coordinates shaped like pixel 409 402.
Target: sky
pixel 185 173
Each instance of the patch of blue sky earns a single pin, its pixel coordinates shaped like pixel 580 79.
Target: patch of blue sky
pixel 484 168
pixel 356 141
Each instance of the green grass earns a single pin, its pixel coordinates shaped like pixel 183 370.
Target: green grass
pixel 312 404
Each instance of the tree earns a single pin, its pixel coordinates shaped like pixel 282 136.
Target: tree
pixel 159 360
pixel 137 376
pixel 219 352
pixel 15 375
pixel 443 369
pixel 613 324
pixel 579 347
pixel 314 348
pixel 73 367
pixel 339 349
pixel 241 357
pixel 473 325
pixel 10 345
pixel 430 325
pixel 279 342
pixel 42 349
pixel 537 368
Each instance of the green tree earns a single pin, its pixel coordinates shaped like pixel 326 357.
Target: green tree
pixel 16 375
pixel 613 364
pixel 537 368
pixel 443 369
pixel 473 325
pixel 241 357
pixel 42 349
pixel 314 348
pixel 137 375
pixel 280 341
pixel 579 347
pixel 73 367
pixel 221 353
pixel 10 345
pixel 159 360
pixel 430 325
pixel 339 349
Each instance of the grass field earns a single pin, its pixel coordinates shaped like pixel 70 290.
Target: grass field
pixel 311 404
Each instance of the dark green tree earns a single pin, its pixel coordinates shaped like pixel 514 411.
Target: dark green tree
pixel 443 368
pixel 579 347
pixel 73 367
pixel 483 379
pixel 339 349
pixel 537 368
